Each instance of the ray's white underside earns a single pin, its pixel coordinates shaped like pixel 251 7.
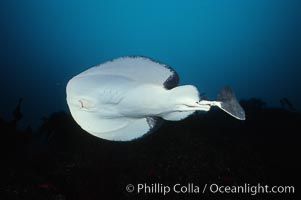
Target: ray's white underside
pixel 123 99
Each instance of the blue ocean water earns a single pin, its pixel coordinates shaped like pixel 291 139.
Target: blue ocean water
pixel 252 45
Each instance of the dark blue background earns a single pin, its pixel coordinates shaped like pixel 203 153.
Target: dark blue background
pixel 252 45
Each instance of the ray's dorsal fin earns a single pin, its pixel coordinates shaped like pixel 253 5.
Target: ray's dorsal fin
pixel 138 68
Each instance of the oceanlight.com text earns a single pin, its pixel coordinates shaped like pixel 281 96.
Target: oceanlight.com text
pixel 251 189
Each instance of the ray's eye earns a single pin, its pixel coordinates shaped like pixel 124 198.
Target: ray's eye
pixel 81 104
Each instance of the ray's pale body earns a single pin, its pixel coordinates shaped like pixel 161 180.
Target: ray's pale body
pixel 125 98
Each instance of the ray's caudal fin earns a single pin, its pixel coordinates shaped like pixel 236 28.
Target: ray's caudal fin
pixel 229 103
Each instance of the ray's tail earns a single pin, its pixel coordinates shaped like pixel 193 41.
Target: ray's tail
pixel 229 103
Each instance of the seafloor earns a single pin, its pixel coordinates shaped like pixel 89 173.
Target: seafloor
pixel 60 161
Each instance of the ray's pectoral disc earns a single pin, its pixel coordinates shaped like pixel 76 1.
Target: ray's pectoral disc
pixel 115 100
